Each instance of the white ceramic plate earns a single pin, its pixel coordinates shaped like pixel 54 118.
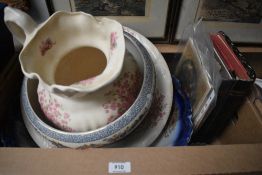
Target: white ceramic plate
pixel 153 124
pixel 178 130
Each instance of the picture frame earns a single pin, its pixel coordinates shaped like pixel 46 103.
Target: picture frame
pixel 155 19
pixel 240 20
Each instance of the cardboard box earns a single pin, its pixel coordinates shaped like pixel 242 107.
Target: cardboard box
pixel 209 159
pixel 237 159
pixel 246 129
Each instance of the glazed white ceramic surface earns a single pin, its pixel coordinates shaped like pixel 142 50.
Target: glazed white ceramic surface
pixel 94 110
pixel 113 131
pixel 153 124
pixel 70 108
pixel 45 45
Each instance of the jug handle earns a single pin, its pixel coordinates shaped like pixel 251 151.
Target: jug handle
pixel 19 23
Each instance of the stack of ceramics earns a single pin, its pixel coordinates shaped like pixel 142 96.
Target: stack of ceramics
pixel 127 102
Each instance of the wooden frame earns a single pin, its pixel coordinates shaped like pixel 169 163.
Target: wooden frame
pixel 158 23
pixel 242 30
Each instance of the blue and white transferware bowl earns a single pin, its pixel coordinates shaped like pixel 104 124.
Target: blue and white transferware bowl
pixel 150 128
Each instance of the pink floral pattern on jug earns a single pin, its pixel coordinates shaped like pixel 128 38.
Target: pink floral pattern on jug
pixel 113 38
pixel 107 105
pixel 46 45
pixel 54 111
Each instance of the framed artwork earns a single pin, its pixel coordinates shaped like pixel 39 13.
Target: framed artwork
pixel 152 18
pixel 20 4
pixel 241 20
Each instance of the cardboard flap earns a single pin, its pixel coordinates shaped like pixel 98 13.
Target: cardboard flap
pixel 179 160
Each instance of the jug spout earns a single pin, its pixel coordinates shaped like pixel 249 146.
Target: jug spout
pixel 19 23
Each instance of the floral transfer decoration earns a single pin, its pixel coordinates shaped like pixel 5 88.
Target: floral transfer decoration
pixel 113 38
pixel 156 112
pixel 53 110
pixel 123 94
pixel 46 45
pixel 172 123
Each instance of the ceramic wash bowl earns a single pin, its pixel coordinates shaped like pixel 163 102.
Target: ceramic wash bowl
pixel 46 135
pixel 153 124
pixel 161 127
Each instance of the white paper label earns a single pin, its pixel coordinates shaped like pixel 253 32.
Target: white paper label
pixel 119 167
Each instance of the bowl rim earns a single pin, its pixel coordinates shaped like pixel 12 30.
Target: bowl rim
pixel 133 116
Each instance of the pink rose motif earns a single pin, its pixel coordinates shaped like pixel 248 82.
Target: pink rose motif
pixel 46 45
pixel 157 110
pixel 54 111
pixel 122 95
pixel 113 38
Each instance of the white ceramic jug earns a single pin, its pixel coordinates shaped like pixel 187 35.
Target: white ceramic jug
pixel 45 46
